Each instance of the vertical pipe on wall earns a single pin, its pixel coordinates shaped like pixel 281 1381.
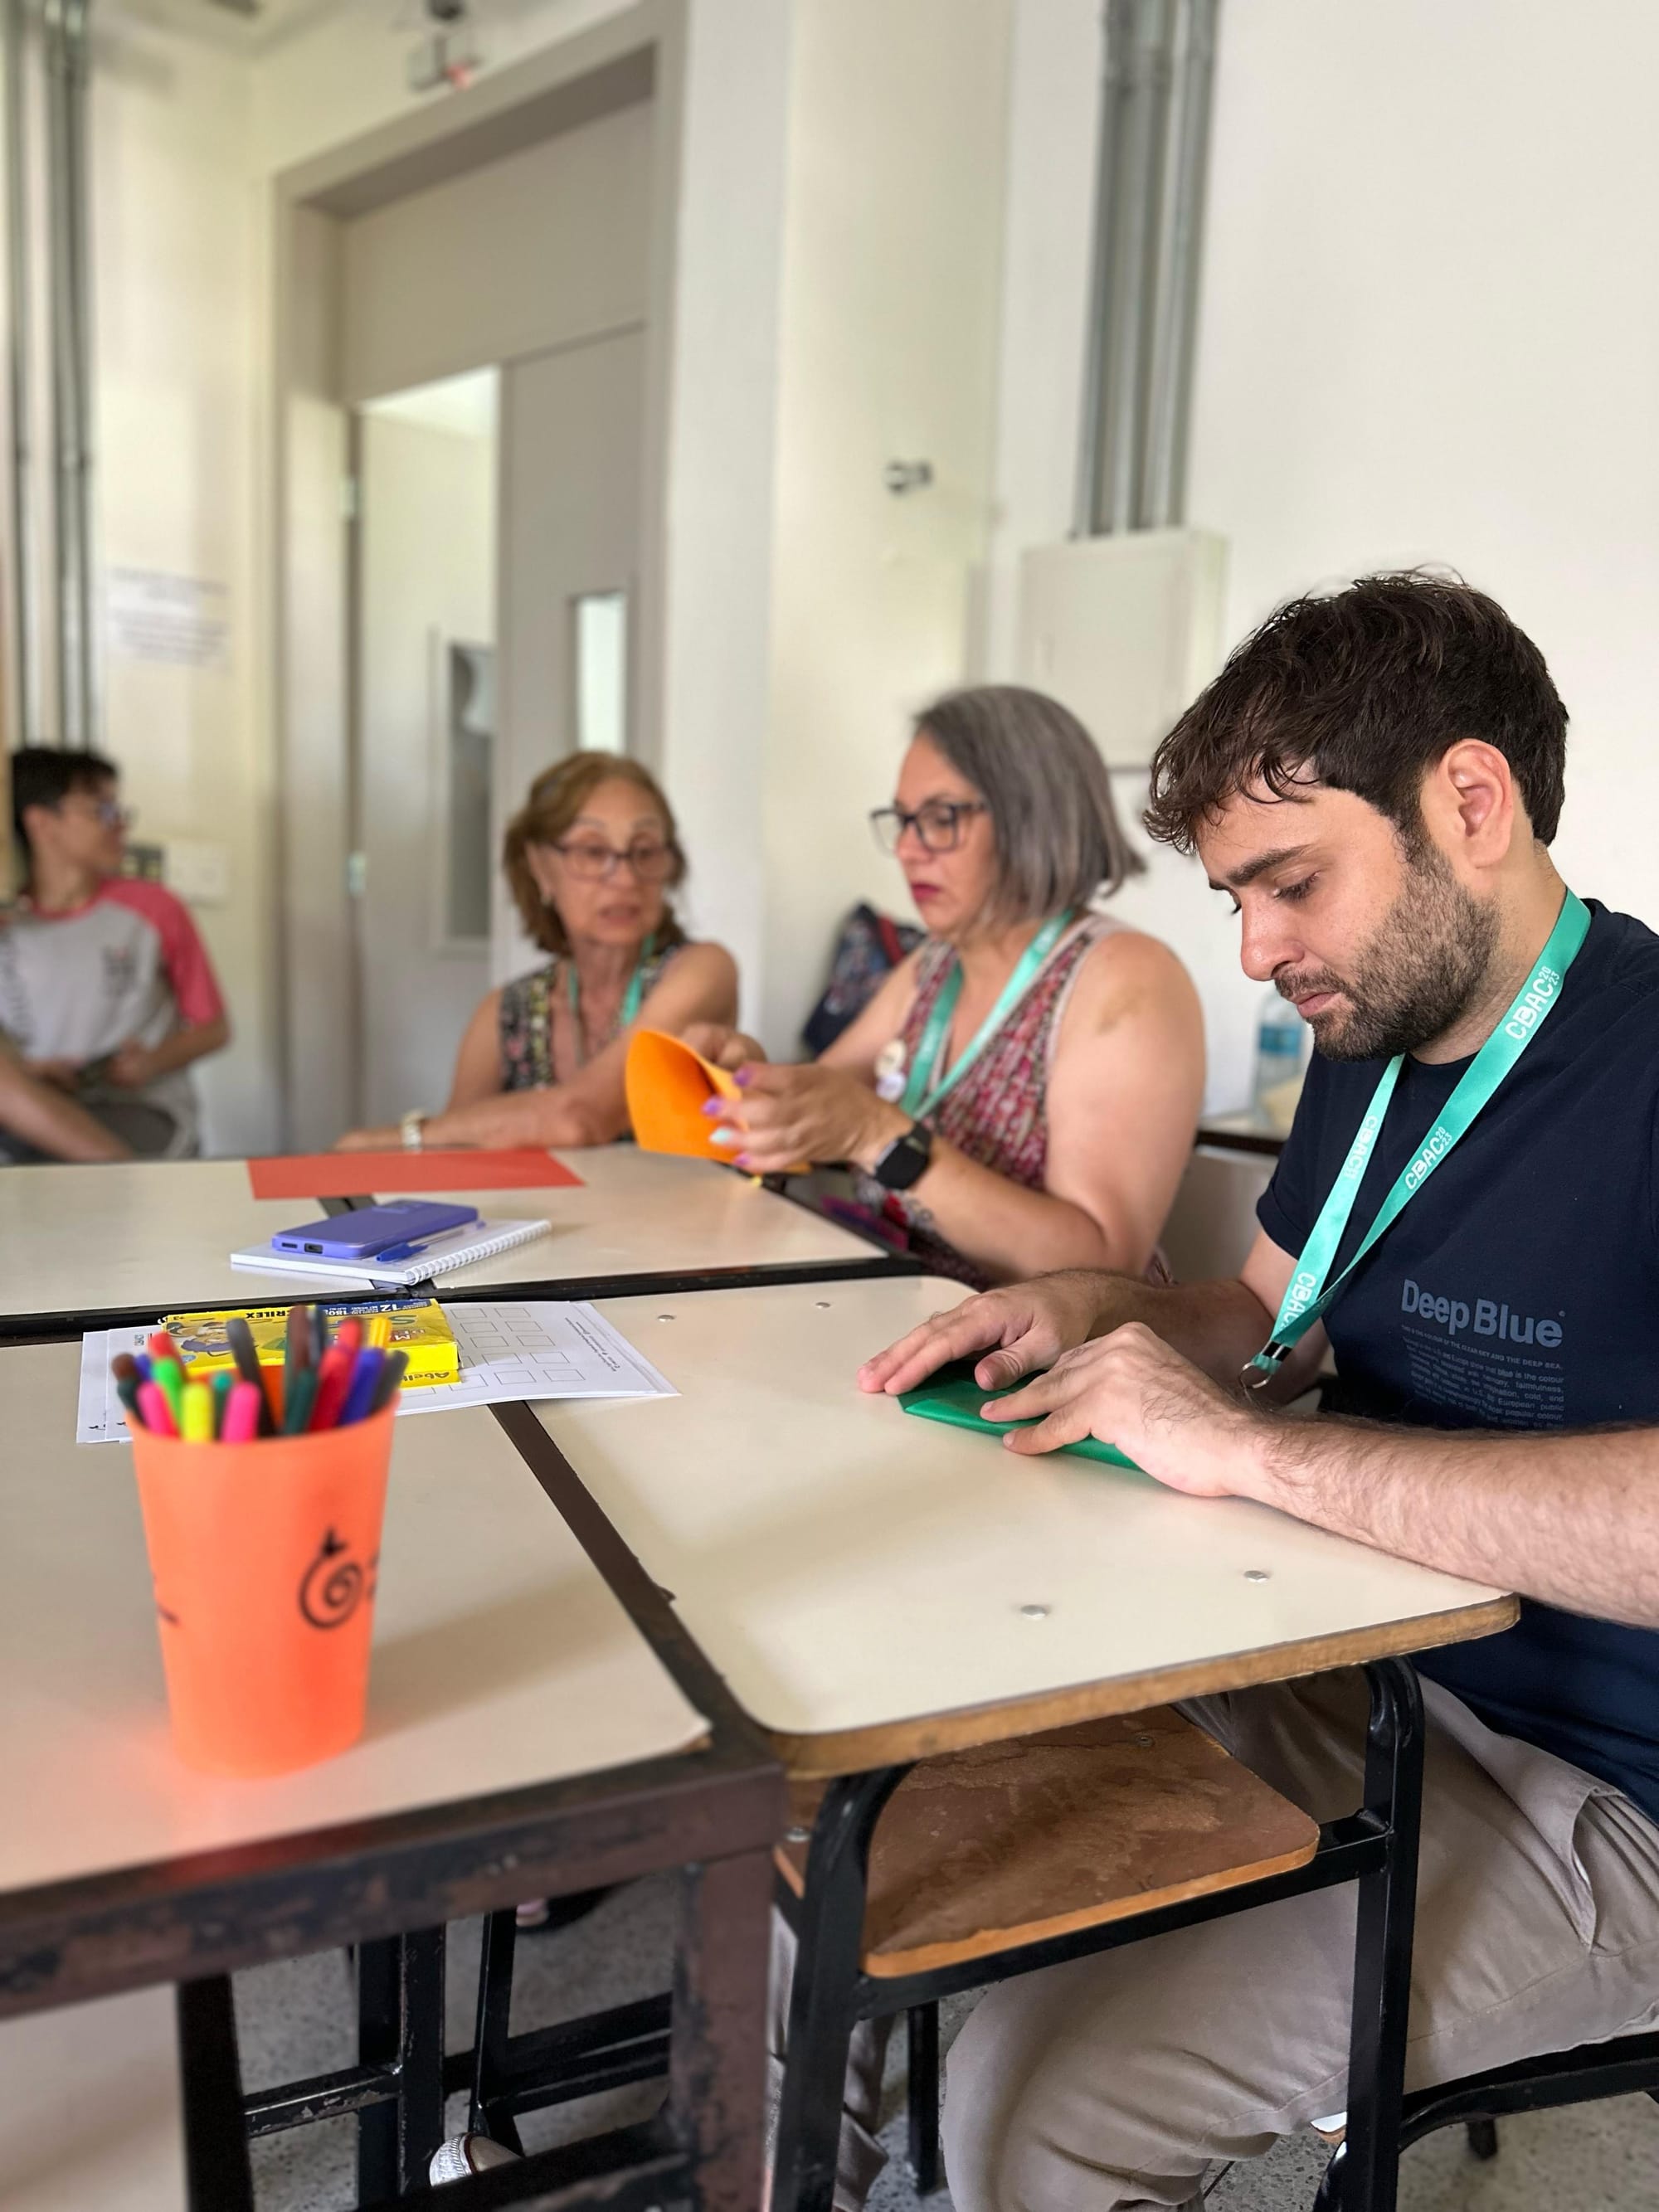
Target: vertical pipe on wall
pixel 77 74
pixel 1138 188
pixel 1115 19
pixel 27 726
pixel 1133 126
pixel 71 727
pixel 1162 500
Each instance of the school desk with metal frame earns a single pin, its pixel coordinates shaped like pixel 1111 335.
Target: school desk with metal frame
pixel 876 1589
pixel 523 1739
pixel 93 1247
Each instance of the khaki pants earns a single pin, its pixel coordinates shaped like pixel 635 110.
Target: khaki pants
pixel 1113 2081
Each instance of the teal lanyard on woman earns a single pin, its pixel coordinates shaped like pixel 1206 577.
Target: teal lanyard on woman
pixel 1309 1296
pixel 633 998
pixel 922 1093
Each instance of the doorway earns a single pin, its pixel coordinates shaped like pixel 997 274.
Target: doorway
pixel 517 243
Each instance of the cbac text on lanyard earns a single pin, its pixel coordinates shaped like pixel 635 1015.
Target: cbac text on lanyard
pixel 1309 1296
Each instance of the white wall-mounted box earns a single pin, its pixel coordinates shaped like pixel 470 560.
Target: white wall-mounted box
pixel 1124 630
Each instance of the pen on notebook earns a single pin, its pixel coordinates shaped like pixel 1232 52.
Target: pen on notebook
pixel 395 1255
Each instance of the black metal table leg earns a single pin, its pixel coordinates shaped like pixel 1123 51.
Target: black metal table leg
pixel 717 2052
pixel 377 2039
pixel 493 2031
pixel 829 1930
pixel 420 2084
pixel 921 2022
pixel 1369 2161
pixel 218 2175
pixel 400 2026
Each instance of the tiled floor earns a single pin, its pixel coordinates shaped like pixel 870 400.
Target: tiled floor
pixel 295 2020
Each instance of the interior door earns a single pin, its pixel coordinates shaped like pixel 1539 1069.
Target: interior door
pixel 571 428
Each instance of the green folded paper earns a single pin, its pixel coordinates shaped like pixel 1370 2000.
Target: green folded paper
pixel 952 1396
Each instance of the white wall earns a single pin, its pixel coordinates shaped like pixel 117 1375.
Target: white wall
pixel 893 268
pixel 1429 331
pixel 176 386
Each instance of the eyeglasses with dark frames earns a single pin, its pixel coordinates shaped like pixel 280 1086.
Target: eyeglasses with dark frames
pixel 937 822
pixel 591 861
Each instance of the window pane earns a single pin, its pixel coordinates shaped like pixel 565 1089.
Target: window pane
pixel 472 749
pixel 601 654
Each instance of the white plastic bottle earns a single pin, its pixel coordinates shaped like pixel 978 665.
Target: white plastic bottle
pixel 1281 1042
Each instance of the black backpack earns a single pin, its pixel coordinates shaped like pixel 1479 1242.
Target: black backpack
pixel 870 947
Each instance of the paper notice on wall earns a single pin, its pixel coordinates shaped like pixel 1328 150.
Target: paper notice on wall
pixel 178 621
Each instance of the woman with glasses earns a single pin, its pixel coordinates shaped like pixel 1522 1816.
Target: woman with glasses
pixel 591 859
pixel 1021 1093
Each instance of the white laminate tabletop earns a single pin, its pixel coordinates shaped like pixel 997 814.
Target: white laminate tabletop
pixel 855 1573
pixel 158 1234
pixel 639 1213
pixel 91 2118
pixel 501 1659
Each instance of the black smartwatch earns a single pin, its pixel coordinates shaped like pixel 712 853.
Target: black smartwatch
pixel 905 1160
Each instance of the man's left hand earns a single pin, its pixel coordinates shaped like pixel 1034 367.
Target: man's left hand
pixel 1130 1389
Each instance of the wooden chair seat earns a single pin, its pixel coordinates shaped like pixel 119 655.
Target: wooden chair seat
pixel 90 2117
pixel 984 1851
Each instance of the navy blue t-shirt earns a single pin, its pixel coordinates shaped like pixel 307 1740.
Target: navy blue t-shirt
pixel 1519 1289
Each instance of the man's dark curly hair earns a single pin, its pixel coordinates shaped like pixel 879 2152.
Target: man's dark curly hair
pixel 1364 690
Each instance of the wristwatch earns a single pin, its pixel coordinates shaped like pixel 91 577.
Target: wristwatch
pixel 413 1124
pixel 905 1160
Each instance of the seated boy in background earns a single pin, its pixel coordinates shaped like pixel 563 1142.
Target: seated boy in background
pixel 106 989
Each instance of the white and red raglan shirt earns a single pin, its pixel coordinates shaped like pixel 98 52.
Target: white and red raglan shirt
pixel 126 967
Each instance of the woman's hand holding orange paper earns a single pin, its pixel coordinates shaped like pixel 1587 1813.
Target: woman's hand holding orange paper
pixel 786 1114
pixel 721 1045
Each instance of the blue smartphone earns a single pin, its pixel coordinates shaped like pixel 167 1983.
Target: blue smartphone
pixel 373 1229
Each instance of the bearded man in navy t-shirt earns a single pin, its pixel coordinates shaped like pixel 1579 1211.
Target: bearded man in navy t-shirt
pixel 1374 780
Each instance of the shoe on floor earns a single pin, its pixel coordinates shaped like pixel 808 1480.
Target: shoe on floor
pixel 464 2154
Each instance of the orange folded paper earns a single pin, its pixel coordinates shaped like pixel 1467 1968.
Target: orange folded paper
pixel 668 1086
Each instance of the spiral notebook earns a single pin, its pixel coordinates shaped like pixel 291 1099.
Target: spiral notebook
pixel 480 1240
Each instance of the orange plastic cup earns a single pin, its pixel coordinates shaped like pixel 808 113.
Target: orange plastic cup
pixel 263 1557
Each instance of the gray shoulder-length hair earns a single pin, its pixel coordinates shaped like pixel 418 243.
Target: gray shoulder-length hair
pixel 1057 838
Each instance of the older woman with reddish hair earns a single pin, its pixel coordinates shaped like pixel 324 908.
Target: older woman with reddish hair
pixel 591 859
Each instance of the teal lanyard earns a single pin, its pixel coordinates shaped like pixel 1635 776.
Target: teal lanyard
pixel 922 1092
pixel 633 998
pixel 1309 1296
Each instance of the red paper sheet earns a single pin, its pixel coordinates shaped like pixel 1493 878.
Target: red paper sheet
pixel 347 1175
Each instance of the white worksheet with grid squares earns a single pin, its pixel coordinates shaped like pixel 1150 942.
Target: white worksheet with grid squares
pixel 527 1349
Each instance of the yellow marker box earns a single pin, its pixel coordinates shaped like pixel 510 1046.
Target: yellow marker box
pixel 417 1328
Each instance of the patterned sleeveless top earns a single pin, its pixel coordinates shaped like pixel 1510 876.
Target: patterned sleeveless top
pixel 526 1021
pixel 998 1112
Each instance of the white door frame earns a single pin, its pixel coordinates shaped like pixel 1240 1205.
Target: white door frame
pixel 638 54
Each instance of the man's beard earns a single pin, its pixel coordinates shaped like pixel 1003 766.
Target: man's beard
pixel 1419 974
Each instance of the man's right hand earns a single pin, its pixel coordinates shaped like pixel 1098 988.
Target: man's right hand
pixel 1020 1329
